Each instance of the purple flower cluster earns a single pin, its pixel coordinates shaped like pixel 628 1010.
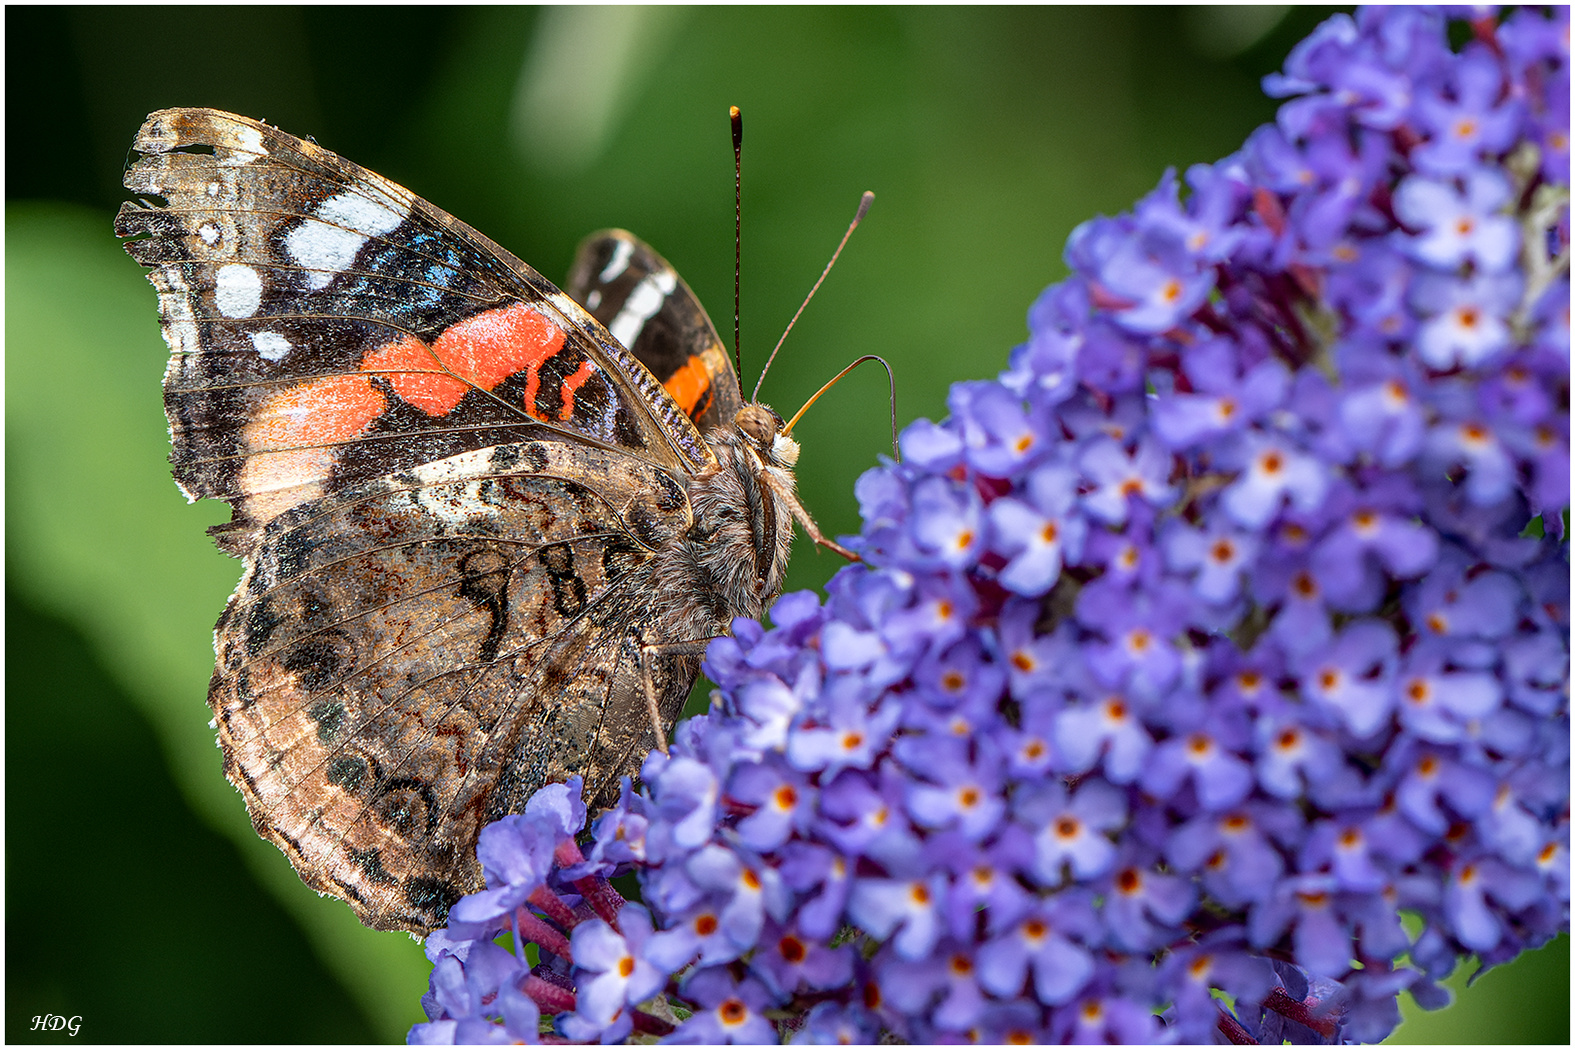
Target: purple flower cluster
pixel 1206 676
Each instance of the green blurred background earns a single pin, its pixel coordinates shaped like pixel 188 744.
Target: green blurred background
pixel 137 896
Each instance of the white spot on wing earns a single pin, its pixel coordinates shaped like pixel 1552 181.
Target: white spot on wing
pixel 209 234
pixel 323 249
pixel 271 345
pixel 328 244
pixel 237 290
pixel 248 147
pixel 641 306
pixel 361 214
pixel 618 263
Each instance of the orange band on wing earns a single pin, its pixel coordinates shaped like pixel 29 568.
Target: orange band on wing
pixel 317 412
pixel 689 384
pixel 293 435
pixel 480 351
pixel 414 373
pixel 570 385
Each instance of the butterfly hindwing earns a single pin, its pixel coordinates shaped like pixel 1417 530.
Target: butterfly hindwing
pixel 327 326
pixel 379 702
pixel 648 308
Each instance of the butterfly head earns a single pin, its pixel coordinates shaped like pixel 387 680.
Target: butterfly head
pixel 765 431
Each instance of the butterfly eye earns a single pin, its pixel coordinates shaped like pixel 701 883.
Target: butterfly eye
pixel 759 423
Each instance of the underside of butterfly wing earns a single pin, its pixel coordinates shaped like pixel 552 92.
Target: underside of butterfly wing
pixel 406 663
pixel 327 326
pixel 648 308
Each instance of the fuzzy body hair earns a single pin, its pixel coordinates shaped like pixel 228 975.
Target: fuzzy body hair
pixel 733 559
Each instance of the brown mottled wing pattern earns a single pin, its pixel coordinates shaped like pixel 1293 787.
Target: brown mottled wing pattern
pixel 407 662
pixel 448 484
pixel 648 308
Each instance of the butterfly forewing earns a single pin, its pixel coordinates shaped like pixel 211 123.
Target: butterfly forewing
pixel 328 326
pixel 648 308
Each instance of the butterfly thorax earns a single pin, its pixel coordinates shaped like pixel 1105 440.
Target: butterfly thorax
pixel 733 560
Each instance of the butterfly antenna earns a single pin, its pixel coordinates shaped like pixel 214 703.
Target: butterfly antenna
pixel 891 382
pixel 864 207
pixel 737 117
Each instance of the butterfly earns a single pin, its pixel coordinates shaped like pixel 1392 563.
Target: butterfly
pixel 488 526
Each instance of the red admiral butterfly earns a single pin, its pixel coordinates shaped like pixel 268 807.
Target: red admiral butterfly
pixel 488 527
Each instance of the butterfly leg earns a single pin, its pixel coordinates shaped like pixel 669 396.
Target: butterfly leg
pixel 653 702
pixel 802 517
